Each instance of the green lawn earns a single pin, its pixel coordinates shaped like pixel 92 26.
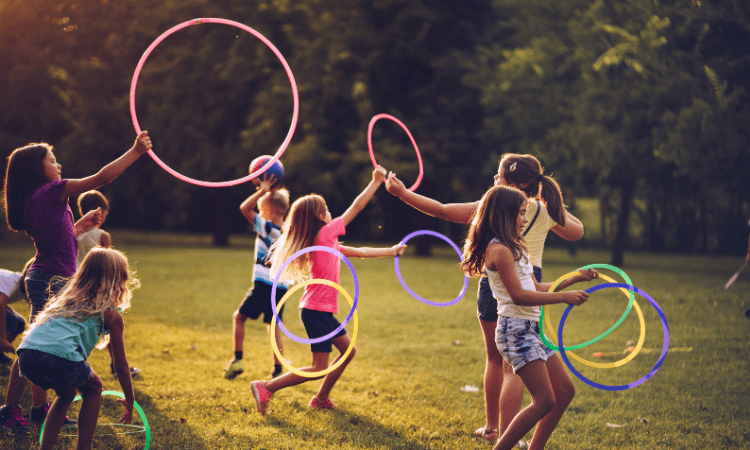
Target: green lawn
pixel 403 390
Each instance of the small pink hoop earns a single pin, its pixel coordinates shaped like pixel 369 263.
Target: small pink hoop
pixel 413 142
pixel 284 144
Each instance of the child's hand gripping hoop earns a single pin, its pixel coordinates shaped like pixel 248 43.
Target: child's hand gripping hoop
pixel 414 294
pixel 341 360
pixel 284 144
pixel 413 142
pixel 141 429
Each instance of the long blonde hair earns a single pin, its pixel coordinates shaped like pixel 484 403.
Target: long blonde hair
pixel 494 218
pixel 306 218
pixel 103 281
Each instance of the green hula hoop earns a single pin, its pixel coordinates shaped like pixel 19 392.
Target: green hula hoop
pixel 136 406
pixel 611 329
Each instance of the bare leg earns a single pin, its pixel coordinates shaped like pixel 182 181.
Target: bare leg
pixel 493 375
pixel 238 330
pixel 341 343
pixel 564 392
pixel 91 392
pixel 319 362
pixel 536 379
pixel 279 343
pixel 16 385
pixel 511 397
pixel 56 417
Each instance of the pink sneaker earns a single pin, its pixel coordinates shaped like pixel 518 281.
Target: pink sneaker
pixel 262 395
pixel 319 404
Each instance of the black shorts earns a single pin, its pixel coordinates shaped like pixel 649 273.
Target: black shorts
pixel 317 324
pixel 14 323
pixel 52 372
pixel 258 301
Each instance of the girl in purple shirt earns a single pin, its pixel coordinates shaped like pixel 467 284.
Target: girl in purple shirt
pixel 36 201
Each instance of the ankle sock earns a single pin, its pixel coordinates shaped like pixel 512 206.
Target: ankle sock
pixel 237 355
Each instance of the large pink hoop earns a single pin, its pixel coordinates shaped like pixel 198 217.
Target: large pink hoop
pixel 413 142
pixel 284 144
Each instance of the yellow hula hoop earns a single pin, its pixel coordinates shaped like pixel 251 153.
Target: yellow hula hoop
pixel 638 346
pixel 341 360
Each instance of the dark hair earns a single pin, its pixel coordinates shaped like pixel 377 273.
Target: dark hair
pixel 494 218
pixel 25 173
pixel 90 200
pixel 527 174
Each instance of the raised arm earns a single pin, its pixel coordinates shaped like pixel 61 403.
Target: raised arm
pixel 378 175
pixel 248 206
pixel 108 173
pixel 454 212
pixel 573 229
pixel 373 252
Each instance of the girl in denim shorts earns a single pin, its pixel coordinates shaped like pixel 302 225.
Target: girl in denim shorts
pixel 495 246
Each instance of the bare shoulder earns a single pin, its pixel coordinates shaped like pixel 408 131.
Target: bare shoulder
pixel 495 254
pixel 112 318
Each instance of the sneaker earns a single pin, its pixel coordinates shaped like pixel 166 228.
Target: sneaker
pixel 13 421
pixel 235 367
pixel 39 415
pixel 261 395
pixel 133 371
pixel 320 404
pixel 523 444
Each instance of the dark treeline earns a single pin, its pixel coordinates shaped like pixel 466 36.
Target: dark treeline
pixel 641 104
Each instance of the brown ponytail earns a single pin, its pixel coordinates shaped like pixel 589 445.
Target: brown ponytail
pixel 527 174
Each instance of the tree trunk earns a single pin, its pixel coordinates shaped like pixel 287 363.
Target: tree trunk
pixel 221 236
pixel 623 222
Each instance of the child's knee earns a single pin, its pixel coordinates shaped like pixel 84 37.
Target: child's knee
pixel 566 391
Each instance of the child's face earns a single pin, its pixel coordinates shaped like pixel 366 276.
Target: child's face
pixel 52 169
pixel 500 177
pixel 521 219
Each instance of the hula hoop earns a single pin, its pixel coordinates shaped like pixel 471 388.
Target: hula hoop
pixel 136 406
pixel 636 349
pixel 341 360
pixel 275 308
pixel 408 133
pixel 638 382
pixel 268 43
pixel 414 294
pixel 601 336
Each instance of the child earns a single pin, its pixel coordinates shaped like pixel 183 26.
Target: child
pixel 495 246
pixel 96 237
pixel 11 323
pixel 54 353
pixel 36 201
pixel 503 390
pixel 273 204
pixel 310 223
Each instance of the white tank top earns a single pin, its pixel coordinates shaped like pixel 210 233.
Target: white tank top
pixel 87 241
pixel 505 306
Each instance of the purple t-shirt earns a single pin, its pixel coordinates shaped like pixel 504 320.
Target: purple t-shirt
pixel 49 222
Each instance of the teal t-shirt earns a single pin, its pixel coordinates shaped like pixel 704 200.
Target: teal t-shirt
pixel 66 337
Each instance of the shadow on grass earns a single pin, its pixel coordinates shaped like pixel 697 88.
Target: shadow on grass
pixel 165 433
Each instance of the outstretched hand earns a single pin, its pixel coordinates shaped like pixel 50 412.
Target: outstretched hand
pixel 588 274
pixel 576 298
pixel 398 249
pixel 127 416
pixel 267 182
pixel 378 175
pixel 394 185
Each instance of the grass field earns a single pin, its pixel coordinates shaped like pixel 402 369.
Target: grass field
pixel 404 388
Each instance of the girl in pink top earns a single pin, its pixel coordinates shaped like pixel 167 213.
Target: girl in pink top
pixel 309 223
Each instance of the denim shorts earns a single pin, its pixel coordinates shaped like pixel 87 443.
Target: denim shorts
pixel 52 372
pixel 14 323
pixel 40 287
pixel 317 324
pixel 486 302
pixel 258 301
pixel 519 343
